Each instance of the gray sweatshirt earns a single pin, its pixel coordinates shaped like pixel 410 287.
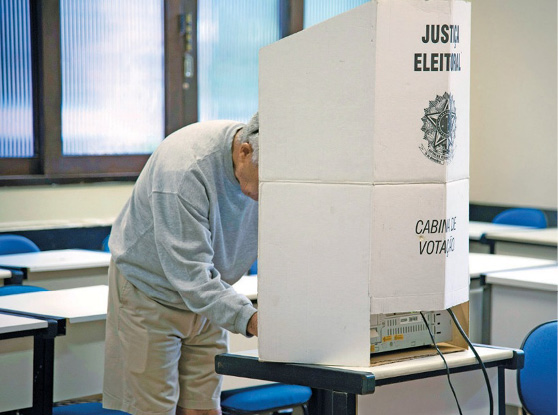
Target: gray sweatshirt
pixel 188 232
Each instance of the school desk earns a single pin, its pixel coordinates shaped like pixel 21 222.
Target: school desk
pixel 479 295
pixel 79 355
pixel 411 386
pixel 520 300
pixel 478 230
pixel 31 388
pixel 538 243
pixel 59 269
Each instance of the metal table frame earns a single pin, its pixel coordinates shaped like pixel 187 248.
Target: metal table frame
pixel 43 359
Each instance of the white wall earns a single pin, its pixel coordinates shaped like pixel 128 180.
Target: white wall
pixel 56 204
pixel 513 103
pixel 513 123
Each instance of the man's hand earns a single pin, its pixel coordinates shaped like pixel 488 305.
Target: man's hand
pixel 252 327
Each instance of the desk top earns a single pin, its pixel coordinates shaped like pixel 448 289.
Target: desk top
pixel 477 229
pixel 76 305
pixel 362 380
pixel 432 363
pixel 481 264
pixel 544 278
pixel 12 324
pixel 4 273
pixel 82 304
pixel 416 365
pixel 546 237
pixel 247 285
pixel 56 260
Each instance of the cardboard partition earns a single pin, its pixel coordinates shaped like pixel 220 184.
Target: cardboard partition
pixel 379 94
pixel 313 265
pixel 419 246
pixel 331 254
pixel 364 165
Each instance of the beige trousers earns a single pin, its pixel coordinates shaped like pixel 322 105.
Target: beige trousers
pixel 158 357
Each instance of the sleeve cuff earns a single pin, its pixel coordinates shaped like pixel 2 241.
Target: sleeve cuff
pixel 243 316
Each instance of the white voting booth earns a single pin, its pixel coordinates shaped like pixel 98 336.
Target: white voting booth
pixel 364 167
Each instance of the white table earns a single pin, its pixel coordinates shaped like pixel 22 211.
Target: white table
pixel 481 264
pixel 76 305
pixel 32 388
pixel 538 243
pixel 477 231
pixel 479 297
pixel 13 324
pixel 248 286
pixel 521 300
pixel 416 386
pixel 59 269
pixel 5 274
pixel 79 355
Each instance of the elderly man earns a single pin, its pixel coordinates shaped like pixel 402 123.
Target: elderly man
pixel 187 233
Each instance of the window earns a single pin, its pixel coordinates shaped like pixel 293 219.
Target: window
pixel 16 112
pixel 86 86
pixel 316 11
pixel 112 64
pixel 229 37
pixel 90 88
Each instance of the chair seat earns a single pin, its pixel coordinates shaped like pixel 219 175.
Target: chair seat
pixel 19 289
pixel 265 398
pixel 87 408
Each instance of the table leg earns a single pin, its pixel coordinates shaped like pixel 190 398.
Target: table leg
pixel 501 391
pixel 486 312
pixel 326 402
pixel 43 370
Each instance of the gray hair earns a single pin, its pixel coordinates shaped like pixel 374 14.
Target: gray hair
pixel 250 134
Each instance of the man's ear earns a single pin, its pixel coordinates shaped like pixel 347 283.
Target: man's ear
pixel 245 150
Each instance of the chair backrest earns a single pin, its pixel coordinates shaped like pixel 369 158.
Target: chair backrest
pixel 522 217
pixel 19 289
pixel 536 382
pixel 254 268
pixel 105 244
pixel 16 244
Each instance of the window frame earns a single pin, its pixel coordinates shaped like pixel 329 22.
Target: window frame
pixel 49 166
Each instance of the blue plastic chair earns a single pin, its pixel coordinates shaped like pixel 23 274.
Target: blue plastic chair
pixel 16 244
pixel 254 268
pixel 536 382
pixel 19 289
pixel 253 400
pixel 265 399
pixel 105 244
pixel 86 408
pixel 534 218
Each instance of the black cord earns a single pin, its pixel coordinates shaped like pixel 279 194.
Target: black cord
pixel 445 363
pixel 490 397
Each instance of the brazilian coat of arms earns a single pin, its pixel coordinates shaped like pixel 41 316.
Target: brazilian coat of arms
pixel 439 122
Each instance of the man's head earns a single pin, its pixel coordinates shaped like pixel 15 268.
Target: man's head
pixel 250 134
pixel 245 154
